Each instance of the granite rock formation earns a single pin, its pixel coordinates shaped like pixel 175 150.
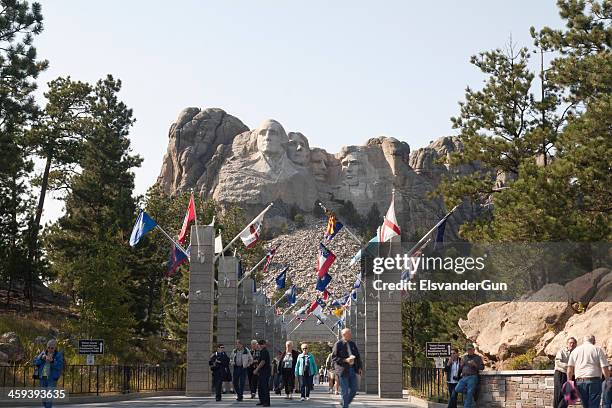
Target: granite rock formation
pixel 543 321
pixel 218 156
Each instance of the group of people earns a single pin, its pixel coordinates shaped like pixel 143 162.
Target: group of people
pixel 580 371
pixel 291 370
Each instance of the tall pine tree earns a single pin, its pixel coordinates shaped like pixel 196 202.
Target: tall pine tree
pixel 88 245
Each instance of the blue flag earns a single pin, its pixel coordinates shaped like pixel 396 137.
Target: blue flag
pixel 281 278
pixel 291 294
pixel 440 235
pixel 323 282
pixel 144 224
pixel 354 294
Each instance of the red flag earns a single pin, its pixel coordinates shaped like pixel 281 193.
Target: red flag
pixel 190 216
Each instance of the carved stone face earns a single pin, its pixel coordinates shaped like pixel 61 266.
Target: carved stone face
pixel 351 168
pixel 319 165
pixel 271 139
pixel 298 149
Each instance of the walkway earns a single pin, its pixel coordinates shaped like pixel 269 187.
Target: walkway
pixel 318 398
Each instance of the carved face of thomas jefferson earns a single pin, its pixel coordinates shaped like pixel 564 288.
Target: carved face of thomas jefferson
pixel 271 140
pixel 298 149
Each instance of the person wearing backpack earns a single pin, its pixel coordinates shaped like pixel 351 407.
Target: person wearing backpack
pixel 307 368
pixel 240 360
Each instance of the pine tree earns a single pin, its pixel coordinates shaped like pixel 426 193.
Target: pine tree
pixel 19 67
pixel 57 138
pixel 88 245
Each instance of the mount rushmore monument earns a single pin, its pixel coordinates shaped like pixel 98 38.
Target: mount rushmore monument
pixel 215 154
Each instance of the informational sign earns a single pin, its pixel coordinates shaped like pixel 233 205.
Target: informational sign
pixel 91 346
pixel 91 359
pixel 437 349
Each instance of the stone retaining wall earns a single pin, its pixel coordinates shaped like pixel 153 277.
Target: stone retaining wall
pixel 516 389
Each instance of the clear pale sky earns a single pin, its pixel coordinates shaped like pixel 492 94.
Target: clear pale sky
pixel 340 72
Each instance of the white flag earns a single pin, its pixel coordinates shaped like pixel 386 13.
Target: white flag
pixel 218 244
pixel 390 227
pixel 251 234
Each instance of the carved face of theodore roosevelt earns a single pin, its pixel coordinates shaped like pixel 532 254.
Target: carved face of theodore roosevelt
pixel 351 168
pixel 271 139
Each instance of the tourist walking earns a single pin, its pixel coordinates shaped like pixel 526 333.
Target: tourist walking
pixel 347 364
pixel 471 364
pixel 250 371
pixel 560 376
pixel 240 359
pixel 587 363
pixel 277 372
pixel 49 365
pixel 263 372
pixel 219 364
pixel 288 369
pixel 453 373
pixel 306 367
pixel 333 384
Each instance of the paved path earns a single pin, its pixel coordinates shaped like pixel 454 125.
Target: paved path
pixel 318 398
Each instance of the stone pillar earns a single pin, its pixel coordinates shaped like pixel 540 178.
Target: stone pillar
pixel 259 319
pixel 245 311
pixel 390 334
pixel 371 340
pixel 227 312
pixel 200 312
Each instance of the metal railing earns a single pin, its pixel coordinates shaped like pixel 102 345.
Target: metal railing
pixel 101 379
pixel 429 383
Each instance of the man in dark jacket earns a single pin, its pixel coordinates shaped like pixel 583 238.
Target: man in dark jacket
pixel 219 364
pixel 347 364
pixel 263 371
pixel 470 366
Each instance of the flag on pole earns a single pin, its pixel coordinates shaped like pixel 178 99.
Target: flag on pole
pixel 354 294
pixel 333 226
pixel 324 260
pixel 177 258
pixel 323 282
pixel 144 224
pixel 281 278
pixel 218 244
pixel 189 216
pixel 316 308
pixel 302 310
pixel 251 234
pixel 270 257
pixel 440 235
pixel 291 294
pixel 390 227
pixel 325 294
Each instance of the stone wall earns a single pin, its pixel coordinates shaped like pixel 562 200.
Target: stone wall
pixel 516 389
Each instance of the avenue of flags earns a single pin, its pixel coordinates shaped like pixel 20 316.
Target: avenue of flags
pixel 251 234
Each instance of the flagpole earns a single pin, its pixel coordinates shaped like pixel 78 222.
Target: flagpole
pixel 418 244
pixel 244 229
pixel 173 241
pixel 246 275
pixel 195 219
pixel 344 226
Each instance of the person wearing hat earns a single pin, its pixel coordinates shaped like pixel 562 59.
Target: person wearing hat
pixel 263 371
pixel 471 364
